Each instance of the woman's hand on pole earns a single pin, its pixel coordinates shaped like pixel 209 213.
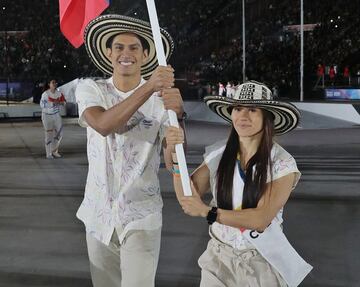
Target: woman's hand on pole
pixel 193 205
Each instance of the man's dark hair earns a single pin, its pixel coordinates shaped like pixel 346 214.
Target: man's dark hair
pixel 143 42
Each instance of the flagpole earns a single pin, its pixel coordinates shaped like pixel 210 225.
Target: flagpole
pixel 302 51
pixel 243 42
pixel 184 174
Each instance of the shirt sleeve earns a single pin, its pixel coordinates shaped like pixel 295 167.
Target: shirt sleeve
pixel 44 100
pixel 283 165
pixel 213 154
pixel 87 95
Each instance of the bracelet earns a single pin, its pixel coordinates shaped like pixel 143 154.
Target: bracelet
pixel 174 157
pixel 175 170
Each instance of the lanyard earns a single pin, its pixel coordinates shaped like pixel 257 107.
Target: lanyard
pixel 242 173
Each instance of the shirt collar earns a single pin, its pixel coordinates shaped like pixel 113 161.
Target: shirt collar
pixel 128 93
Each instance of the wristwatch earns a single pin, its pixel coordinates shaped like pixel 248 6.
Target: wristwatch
pixel 212 215
pixel 183 117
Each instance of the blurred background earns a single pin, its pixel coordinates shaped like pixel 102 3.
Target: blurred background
pixel 208 45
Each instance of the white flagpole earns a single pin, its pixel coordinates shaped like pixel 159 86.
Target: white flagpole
pixel 243 42
pixel 301 50
pixel 184 174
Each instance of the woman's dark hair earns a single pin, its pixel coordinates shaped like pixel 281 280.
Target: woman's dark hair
pixel 256 168
pixel 47 83
pixel 143 42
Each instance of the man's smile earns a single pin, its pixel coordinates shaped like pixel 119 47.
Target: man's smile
pixel 126 63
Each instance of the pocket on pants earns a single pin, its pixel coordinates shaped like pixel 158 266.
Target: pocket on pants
pixel 206 260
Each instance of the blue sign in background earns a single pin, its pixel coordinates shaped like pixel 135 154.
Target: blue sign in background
pixel 342 94
pixel 18 91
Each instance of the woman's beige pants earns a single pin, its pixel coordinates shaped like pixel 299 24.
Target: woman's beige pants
pixel 224 266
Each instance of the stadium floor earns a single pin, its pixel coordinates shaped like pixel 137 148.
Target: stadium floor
pixel 43 244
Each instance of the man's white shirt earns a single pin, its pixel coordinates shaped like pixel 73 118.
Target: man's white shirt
pixel 122 188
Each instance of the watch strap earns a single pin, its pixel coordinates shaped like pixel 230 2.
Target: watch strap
pixel 183 117
pixel 212 215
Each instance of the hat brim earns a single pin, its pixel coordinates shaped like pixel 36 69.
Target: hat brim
pixel 286 115
pixel 99 30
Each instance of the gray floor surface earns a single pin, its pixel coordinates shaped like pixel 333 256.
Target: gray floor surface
pixel 43 244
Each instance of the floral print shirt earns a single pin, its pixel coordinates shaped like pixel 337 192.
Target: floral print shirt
pixel 122 188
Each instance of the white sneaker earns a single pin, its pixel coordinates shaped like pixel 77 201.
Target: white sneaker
pixel 49 156
pixel 56 154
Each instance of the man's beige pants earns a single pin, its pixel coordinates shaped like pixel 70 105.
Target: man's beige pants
pixel 132 263
pixel 224 266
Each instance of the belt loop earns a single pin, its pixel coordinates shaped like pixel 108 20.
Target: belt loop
pixel 218 247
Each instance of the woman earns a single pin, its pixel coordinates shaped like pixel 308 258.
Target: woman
pixel 50 103
pixel 251 178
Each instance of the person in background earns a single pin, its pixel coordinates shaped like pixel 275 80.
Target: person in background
pixel 50 103
pixel 346 75
pixel 228 90
pixel 221 89
pixel 321 75
pixel 332 74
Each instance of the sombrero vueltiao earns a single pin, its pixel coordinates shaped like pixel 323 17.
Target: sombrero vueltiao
pixel 252 93
pixel 99 30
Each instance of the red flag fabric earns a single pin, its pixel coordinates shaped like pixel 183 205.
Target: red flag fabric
pixel 76 14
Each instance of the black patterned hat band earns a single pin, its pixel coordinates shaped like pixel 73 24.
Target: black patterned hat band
pixel 256 94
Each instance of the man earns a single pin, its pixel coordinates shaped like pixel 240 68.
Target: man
pixel 126 119
pixel 50 103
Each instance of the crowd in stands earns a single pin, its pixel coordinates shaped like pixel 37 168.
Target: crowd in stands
pixel 273 53
pixel 33 48
pixel 208 41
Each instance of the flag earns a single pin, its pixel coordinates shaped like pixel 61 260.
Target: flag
pixel 76 14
